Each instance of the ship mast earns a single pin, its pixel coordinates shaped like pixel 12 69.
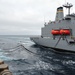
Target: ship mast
pixel 68 6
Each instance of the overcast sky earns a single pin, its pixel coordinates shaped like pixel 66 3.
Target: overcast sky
pixel 26 17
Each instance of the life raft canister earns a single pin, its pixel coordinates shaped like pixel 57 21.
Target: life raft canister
pixel 65 31
pixel 55 32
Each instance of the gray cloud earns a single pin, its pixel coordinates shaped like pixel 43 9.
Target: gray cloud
pixel 26 16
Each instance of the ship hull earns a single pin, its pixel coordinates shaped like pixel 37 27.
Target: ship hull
pixel 58 44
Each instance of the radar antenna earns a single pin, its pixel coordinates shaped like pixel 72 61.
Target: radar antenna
pixel 68 6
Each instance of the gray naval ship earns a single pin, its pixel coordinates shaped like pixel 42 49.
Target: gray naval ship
pixel 59 34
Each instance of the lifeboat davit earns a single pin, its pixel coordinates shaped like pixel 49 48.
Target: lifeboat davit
pixel 65 31
pixel 55 32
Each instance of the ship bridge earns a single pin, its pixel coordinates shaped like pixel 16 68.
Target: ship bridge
pixel 70 17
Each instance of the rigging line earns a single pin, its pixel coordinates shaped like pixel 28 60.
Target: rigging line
pixel 66 40
pixel 12 48
pixel 57 41
pixel 27 49
pixel 31 51
pixel 19 46
pixel 24 48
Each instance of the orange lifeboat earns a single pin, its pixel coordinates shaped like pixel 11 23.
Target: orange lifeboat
pixel 55 32
pixel 65 31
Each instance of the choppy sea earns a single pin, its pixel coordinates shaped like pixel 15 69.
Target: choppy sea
pixel 26 58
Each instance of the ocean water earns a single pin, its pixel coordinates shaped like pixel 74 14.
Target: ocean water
pixel 26 58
